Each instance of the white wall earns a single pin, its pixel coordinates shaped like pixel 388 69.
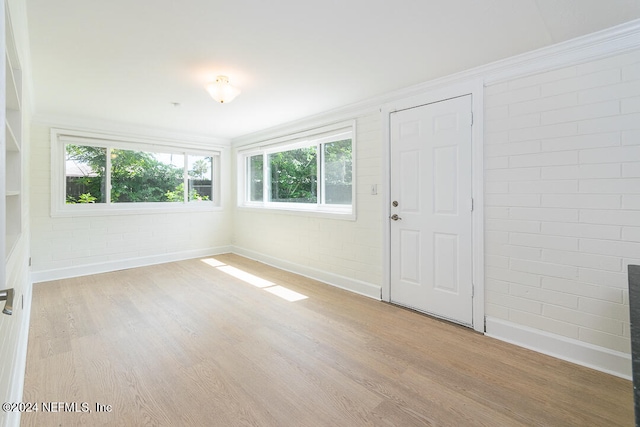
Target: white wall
pixel 562 198
pixel 72 246
pixel 341 252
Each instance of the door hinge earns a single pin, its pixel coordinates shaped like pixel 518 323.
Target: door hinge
pixel 472 204
pixel 472 118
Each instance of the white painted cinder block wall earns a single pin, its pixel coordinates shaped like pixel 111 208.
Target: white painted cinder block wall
pixel 72 246
pixel 562 199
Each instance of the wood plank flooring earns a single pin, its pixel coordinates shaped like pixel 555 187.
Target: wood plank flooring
pixel 193 343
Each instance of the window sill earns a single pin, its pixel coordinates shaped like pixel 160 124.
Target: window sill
pixel 313 211
pixel 84 210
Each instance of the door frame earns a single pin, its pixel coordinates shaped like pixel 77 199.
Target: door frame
pixel 475 88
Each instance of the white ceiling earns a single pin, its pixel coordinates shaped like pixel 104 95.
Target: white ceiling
pixel 127 61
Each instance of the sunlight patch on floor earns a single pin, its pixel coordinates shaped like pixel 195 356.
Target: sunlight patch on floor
pixel 286 293
pixel 213 262
pixel 258 282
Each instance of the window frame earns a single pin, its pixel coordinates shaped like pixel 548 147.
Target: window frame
pixel 318 137
pixel 61 137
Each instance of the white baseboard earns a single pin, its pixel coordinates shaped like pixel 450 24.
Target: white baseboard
pixel 342 282
pixel 357 286
pixel 579 352
pixel 105 267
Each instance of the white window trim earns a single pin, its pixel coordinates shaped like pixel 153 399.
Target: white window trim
pixel 59 207
pixel 301 139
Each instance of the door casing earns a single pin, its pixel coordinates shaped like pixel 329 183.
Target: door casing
pixel 475 88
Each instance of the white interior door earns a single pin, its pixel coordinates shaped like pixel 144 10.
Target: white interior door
pixel 431 246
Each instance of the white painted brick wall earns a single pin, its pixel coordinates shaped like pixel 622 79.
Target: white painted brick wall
pixel 562 170
pixel 59 243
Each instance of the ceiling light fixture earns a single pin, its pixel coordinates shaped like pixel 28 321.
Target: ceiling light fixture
pixel 222 91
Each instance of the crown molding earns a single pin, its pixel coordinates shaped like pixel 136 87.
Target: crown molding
pixel 612 41
pixel 601 44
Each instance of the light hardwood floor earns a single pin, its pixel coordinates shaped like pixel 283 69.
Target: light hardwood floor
pixel 190 344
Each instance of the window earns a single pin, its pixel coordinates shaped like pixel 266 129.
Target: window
pixel 101 175
pixel 308 172
pixel 293 176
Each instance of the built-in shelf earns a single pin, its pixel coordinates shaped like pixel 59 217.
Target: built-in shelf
pixel 13 220
pixel 12 142
pixel 13 171
pixel 12 212
pixel 13 92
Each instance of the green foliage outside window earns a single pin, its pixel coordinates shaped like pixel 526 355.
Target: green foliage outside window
pixel 294 175
pixel 136 176
pixel 88 182
pixel 338 172
pixel 256 189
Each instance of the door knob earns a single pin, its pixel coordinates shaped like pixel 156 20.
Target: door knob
pixel 7 296
pixel 395 217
